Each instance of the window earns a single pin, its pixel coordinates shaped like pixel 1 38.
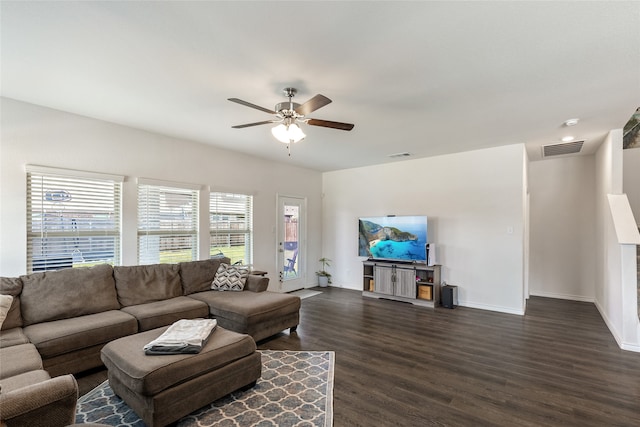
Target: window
pixel 73 218
pixel 167 223
pixel 231 222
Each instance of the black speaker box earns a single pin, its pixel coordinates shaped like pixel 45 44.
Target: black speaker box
pixel 449 296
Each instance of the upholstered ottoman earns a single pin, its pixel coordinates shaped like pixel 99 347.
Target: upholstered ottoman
pixel 163 389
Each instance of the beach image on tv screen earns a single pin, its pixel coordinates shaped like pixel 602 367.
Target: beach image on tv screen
pixel 397 238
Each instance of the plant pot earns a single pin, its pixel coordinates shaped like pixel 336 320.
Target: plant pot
pixel 323 281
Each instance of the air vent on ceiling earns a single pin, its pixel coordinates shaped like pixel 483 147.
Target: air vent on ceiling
pixel 405 154
pixel 562 148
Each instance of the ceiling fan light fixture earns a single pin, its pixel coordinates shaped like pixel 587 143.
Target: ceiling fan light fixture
pixel 288 113
pixel 288 133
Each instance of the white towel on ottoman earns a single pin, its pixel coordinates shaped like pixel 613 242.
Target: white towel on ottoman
pixel 186 336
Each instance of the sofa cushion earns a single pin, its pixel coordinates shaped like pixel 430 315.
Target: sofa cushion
pixel 196 276
pixel 248 308
pixel 19 359
pixel 23 380
pixel 256 283
pixel 13 287
pixel 230 278
pixel 162 313
pixel 13 336
pixel 67 335
pixel 141 284
pixel 149 375
pixel 67 293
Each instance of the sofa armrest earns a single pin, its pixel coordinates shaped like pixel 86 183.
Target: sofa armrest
pixel 49 403
pixel 256 283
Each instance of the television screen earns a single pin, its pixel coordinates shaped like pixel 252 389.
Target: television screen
pixel 401 238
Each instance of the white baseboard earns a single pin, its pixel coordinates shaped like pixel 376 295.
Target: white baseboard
pixel 614 332
pixel 629 347
pixel 555 295
pixel 497 308
pixel 607 322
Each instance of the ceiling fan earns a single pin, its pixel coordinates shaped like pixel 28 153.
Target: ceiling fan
pixel 289 114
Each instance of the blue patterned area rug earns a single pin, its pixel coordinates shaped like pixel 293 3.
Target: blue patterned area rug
pixel 296 389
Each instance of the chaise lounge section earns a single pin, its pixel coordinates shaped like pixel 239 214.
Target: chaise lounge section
pixel 254 311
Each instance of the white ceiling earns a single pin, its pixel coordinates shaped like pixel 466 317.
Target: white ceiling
pixel 427 78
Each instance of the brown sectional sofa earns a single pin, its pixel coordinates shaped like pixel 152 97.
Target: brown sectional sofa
pixel 59 321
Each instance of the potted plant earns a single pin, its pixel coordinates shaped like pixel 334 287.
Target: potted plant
pixel 324 277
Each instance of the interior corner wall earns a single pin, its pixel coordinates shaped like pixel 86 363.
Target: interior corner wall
pixel 31 134
pixel 608 286
pixel 526 238
pixel 474 202
pixel 631 179
pixel 562 243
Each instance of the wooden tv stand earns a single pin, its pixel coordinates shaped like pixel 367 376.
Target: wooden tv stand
pixel 416 283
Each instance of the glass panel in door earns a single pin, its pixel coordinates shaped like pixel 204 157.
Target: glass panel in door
pixel 290 245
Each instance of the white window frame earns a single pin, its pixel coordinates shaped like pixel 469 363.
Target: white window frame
pixel 174 234
pixel 74 218
pixel 223 223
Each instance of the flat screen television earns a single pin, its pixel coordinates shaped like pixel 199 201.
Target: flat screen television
pixel 397 238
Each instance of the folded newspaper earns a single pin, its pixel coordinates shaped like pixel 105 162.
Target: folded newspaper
pixel 186 336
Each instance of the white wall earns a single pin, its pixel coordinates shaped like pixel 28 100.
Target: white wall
pixel 41 136
pixel 608 181
pixel 616 285
pixel 562 243
pixel 631 179
pixel 474 201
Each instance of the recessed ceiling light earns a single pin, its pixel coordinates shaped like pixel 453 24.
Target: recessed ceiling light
pixel 568 138
pixel 571 122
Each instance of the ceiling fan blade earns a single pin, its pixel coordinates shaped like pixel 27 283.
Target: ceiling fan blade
pixel 266 122
pixel 329 124
pixel 248 104
pixel 312 105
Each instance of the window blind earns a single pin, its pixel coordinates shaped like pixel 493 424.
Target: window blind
pixel 167 224
pixel 72 220
pixel 231 222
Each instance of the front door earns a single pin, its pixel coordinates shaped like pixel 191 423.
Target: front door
pixel 291 243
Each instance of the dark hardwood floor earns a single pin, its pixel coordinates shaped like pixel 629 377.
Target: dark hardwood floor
pixel 398 364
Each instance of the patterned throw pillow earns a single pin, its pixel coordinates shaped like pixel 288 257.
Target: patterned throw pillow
pixel 230 278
